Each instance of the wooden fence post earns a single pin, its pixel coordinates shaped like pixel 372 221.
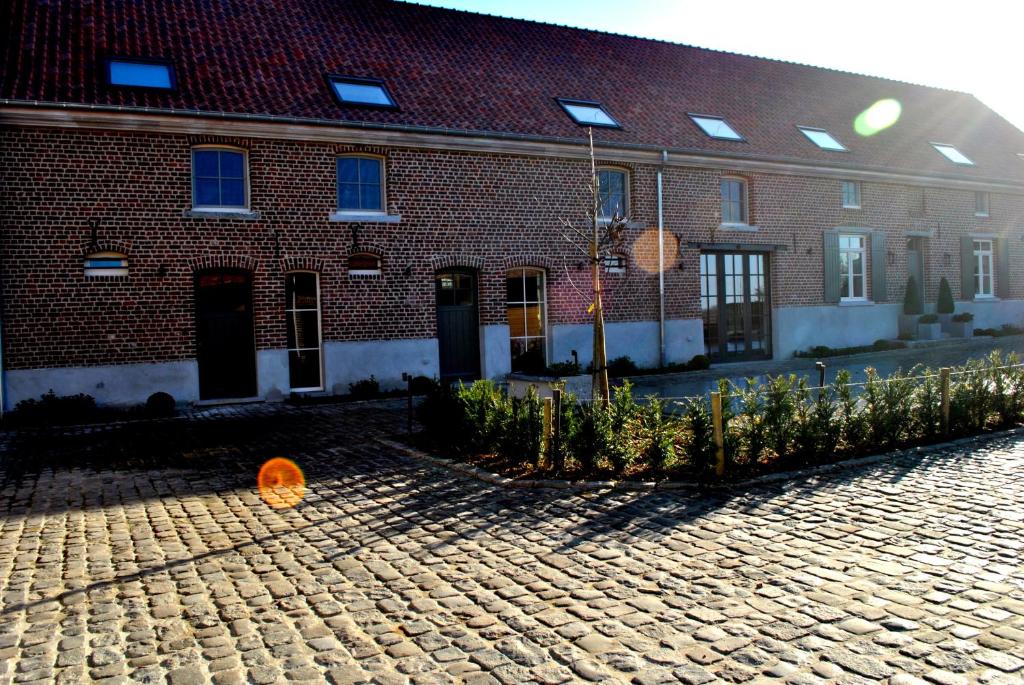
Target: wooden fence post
pixel 944 389
pixel 716 419
pixel 556 427
pixel 545 449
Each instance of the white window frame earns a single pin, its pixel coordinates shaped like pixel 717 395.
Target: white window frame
pixel 984 252
pixel 105 271
pixel 982 203
pixel 857 189
pixel 523 271
pixel 744 202
pixel 625 191
pixel 289 310
pixel 850 274
pixel 614 263
pixel 338 211
pixel 230 209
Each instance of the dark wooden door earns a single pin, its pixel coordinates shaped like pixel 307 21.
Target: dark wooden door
pixel 458 327
pixel 225 341
pixel 736 306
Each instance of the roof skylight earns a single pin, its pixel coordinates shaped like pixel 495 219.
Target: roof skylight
pixel 360 91
pixel 140 73
pixel 716 127
pixel 952 154
pixel 586 113
pixel 822 138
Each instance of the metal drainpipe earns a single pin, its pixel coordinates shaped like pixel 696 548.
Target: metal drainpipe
pixel 661 264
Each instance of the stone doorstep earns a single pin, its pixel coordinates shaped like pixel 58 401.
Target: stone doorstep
pixel 646 486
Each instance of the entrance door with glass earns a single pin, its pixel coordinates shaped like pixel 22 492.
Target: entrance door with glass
pixel 735 304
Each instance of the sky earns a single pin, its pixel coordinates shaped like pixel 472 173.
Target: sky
pixel 974 46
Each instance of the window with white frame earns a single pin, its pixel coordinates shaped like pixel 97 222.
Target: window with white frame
pixel 981 203
pixel 983 285
pixel 734 201
pixel 852 268
pixel 851 194
pixel 614 193
pixel 219 179
pixel 360 184
pixel 526 319
pixel 100 264
pixel 614 263
pixel 302 311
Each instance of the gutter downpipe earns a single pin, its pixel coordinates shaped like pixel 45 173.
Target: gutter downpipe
pixel 661 264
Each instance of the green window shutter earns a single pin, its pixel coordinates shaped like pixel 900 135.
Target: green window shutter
pixel 879 292
pixel 832 274
pixel 1002 268
pixel 967 267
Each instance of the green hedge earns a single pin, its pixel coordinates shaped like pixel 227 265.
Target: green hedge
pixel 781 423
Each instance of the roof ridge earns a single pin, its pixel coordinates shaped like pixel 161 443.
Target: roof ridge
pixel 663 41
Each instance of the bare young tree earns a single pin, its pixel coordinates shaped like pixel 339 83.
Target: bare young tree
pixel 600 239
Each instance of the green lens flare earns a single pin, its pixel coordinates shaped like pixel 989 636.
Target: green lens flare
pixel 878 117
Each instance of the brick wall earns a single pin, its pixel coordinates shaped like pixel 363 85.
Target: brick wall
pixel 490 211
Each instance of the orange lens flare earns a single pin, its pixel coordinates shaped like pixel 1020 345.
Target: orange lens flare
pixel 281 483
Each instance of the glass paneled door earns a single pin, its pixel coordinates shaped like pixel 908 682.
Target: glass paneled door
pixel 735 305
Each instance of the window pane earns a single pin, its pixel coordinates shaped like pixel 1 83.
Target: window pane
pixel 300 291
pixel 717 128
pixel 362 93
pixel 369 197
pixel 369 170
pixel 514 287
pixel 532 289
pixel 363 262
pixel 303 329
pixel 232 164
pixel 204 162
pixel 232 192
pixel 534 320
pixel 348 196
pixel 304 369
pixel 348 169
pixel 123 73
pixel 589 114
pixel 207 192
pixel 823 139
pixel 516 320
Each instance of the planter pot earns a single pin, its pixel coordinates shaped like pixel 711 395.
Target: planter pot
pixel 908 324
pixel 580 386
pixel 946 321
pixel 961 329
pixel 929 331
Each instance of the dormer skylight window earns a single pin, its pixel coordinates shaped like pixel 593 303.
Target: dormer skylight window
pixel 716 127
pixel 822 138
pixel 363 92
pixel 138 72
pixel 586 113
pixel 952 154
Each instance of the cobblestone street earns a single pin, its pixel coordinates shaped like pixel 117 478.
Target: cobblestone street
pixel 116 568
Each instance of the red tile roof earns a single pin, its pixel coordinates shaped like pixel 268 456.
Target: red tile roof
pixel 457 70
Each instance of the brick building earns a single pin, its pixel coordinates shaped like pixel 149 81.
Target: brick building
pixel 226 200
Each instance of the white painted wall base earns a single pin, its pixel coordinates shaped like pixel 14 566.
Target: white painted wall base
pixel 348 362
pixel 994 313
pixel 272 374
pixel 638 340
pixel 495 351
pixel 121 384
pixel 800 328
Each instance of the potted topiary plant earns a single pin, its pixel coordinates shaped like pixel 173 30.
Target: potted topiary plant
pixel 944 305
pixel 912 309
pixel 962 325
pixel 928 327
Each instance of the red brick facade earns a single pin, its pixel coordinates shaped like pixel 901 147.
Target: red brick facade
pixel 488 211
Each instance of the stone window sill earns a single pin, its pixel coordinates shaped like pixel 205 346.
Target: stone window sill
pixel 244 214
pixel 986 299
pixel 365 217
pixel 746 228
pixel 855 303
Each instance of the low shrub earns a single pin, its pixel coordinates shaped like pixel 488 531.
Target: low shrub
pixel 51 408
pixel 699 362
pixel 563 369
pixel 778 423
pixel 963 317
pixel 928 318
pixel 622 366
pixel 160 404
pixel 819 351
pixel 365 389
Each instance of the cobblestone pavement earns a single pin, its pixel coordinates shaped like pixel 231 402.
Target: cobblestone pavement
pixel 392 571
